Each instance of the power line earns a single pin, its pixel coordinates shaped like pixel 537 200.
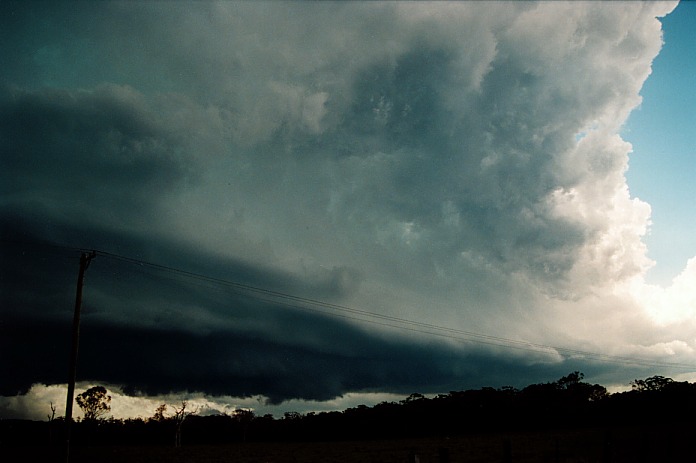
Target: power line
pixel 364 316
pixel 346 312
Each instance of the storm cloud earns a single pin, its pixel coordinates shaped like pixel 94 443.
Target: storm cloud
pixel 453 164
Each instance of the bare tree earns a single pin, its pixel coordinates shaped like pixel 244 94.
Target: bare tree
pixel 180 415
pixel 51 417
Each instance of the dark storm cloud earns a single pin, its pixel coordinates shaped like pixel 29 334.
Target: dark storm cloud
pixel 121 289
pixel 155 331
pixel 241 364
pixel 96 155
pixel 186 332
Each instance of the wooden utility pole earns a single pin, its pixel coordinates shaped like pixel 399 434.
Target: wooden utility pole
pixel 85 259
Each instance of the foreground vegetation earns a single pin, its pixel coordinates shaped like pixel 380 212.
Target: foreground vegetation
pixel 566 420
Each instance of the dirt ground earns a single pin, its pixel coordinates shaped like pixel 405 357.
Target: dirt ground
pixel 603 446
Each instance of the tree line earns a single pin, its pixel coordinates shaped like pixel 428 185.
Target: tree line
pixel 568 403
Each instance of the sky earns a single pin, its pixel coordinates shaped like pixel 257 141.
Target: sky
pixel 309 206
pixel 661 131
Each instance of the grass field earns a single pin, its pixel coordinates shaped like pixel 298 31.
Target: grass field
pixel 654 444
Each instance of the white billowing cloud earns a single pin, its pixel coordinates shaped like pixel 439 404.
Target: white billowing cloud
pixel 36 403
pixel 674 304
pixel 613 222
pixel 414 143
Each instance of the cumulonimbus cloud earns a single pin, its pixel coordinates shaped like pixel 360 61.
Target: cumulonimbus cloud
pixel 458 163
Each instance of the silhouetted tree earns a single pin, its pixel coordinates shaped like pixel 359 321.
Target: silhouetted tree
pixel 244 418
pixel 180 415
pixel 292 417
pixel 653 383
pixel 579 390
pixel 51 418
pixel 94 402
pixel 159 413
pixel 413 398
pixel 571 381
